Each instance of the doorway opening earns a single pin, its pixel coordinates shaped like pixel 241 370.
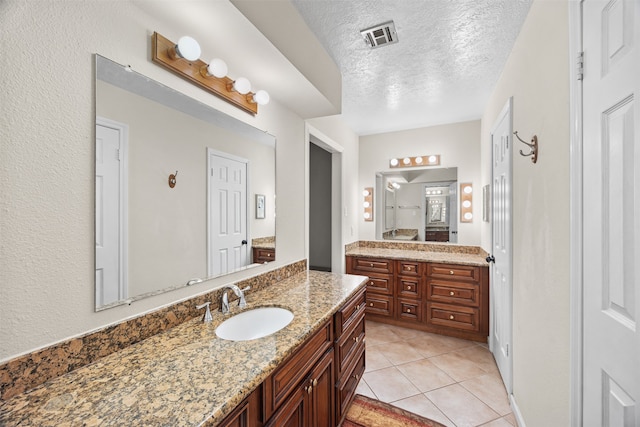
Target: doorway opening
pixel 320 208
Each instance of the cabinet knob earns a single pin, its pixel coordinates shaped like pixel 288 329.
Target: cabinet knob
pixel 356 339
pixel 370 304
pixel 451 272
pixel 371 265
pixel 452 293
pixel 408 310
pixel 315 382
pixel 408 288
pixel 309 389
pixel 451 317
pixel 371 283
pixel 356 376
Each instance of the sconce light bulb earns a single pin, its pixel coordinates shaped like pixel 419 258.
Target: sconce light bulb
pixel 188 48
pixel 419 160
pixel 432 159
pixel 365 193
pixel 366 204
pixel 428 192
pixel 394 162
pixel 396 185
pixel 468 215
pixel 406 160
pixel 261 97
pixel 217 68
pixel 367 215
pixel 468 189
pixel 242 85
pixel 466 204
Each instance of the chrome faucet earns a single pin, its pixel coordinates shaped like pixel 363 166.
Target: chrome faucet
pixel 224 304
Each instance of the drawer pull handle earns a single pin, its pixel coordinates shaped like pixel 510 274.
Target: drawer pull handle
pixel 451 272
pixel 451 317
pixel 315 382
pixel 356 376
pixel 309 389
pixel 356 339
pixel 452 293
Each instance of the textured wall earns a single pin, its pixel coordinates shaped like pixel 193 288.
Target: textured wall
pixel 536 75
pixel 47 165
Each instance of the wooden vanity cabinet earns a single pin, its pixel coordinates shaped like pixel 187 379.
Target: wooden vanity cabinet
pixel 247 414
pixel 380 286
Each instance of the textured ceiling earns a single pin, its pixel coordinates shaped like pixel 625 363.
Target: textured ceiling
pixel 448 59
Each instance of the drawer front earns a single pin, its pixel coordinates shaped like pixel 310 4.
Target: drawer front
pixel 453 292
pixel 286 378
pixel 381 305
pixel 408 309
pixel 381 285
pixel 263 255
pixel 408 287
pixel 376 265
pixel 451 316
pixel 454 271
pixel 346 387
pixel 410 268
pixel 348 347
pixel 350 313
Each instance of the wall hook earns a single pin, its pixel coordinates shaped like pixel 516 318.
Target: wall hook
pixel 172 179
pixel 533 146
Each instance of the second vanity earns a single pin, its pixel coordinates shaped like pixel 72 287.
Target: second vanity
pixel 187 376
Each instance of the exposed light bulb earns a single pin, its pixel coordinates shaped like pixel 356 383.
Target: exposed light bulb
pixel 419 160
pixel 367 215
pixel 468 215
pixel 217 68
pixel 394 162
pixel 468 189
pixel 432 159
pixel 365 193
pixel 406 160
pixel 242 85
pixel 261 97
pixel 188 48
pixel 466 204
pixel 366 204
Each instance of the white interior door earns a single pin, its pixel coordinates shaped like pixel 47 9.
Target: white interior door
pixel 501 281
pixel 611 213
pixel 110 212
pixel 453 212
pixel 228 246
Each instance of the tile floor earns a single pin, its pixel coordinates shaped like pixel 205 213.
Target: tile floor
pixel 453 381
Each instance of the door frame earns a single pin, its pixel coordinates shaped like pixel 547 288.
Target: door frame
pixel 123 274
pixel 507 110
pixel 210 152
pixel 313 135
pixel 576 286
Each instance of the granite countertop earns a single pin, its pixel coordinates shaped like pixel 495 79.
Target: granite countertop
pixel 451 257
pixel 264 245
pixel 185 375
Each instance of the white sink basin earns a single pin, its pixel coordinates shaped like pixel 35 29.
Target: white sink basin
pixel 253 324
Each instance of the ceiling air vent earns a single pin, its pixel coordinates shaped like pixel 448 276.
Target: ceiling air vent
pixel 380 35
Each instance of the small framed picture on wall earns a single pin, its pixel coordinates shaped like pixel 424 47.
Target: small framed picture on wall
pixel 260 206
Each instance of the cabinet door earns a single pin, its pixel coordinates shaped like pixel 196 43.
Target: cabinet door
pixel 323 392
pixel 295 412
pixel 248 413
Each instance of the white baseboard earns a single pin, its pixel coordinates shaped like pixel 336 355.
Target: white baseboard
pixel 516 411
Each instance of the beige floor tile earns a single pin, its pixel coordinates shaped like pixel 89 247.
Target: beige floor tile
pixel 511 419
pixel 500 422
pixel 364 389
pixel 390 385
pixel 491 391
pixel 406 333
pixel 399 353
pixel 425 375
pixel 381 336
pixel 420 405
pixel 461 407
pixel 457 367
pixel 432 345
pixel 480 356
pixel 375 359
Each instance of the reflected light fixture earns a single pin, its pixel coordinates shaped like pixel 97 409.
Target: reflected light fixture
pixel 430 160
pixel 466 202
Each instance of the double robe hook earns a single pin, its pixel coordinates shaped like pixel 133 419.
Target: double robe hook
pixel 533 147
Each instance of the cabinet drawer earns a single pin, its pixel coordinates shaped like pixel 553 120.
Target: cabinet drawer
pixel 376 265
pixel 346 387
pixel 453 292
pixel 347 347
pixel 381 305
pixel 263 255
pixel 410 268
pixel 408 309
pixel 409 287
pixel 285 379
pixel 454 271
pixel 381 285
pixel 451 316
pixel 350 313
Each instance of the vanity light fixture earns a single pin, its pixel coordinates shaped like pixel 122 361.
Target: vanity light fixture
pixel 183 59
pixel 430 160
pixel 368 203
pixel 466 202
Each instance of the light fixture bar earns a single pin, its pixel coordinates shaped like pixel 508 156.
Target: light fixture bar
pixel 412 162
pixel 190 70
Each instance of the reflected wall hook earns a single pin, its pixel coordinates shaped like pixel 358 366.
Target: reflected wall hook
pixel 172 179
pixel 533 146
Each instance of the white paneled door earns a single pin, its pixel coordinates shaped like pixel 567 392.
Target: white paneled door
pixel 501 282
pixel 228 246
pixel 611 213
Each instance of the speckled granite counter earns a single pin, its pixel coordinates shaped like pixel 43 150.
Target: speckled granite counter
pixel 264 242
pixel 187 375
pixel 444 253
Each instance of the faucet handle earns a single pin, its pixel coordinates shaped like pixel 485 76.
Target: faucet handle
pixel 243 302
pixel 207 315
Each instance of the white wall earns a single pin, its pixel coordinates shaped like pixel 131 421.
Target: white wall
pixel 537 76
pixel 47 165
pixel 458 145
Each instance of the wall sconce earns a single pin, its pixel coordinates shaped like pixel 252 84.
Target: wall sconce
pixel 407 162
pixel 466 202
pixel 368 203
pixel 183 59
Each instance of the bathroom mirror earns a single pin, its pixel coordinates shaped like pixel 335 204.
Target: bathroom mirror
pixel 419 205
pixel 176 185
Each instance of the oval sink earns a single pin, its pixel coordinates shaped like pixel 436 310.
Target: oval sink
pixel 253 324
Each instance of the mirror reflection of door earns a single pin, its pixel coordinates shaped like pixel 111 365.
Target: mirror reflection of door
pixel 111 205
pixel 228 248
